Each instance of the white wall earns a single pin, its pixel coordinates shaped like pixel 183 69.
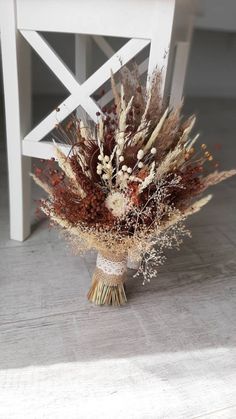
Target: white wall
pixel 212 65
pixel 217 15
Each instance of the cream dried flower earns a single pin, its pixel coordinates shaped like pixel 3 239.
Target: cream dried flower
pixel 117 203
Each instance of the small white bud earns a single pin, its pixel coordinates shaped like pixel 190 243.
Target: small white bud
pixel 100 157
pixel 105 176
pixel 120 173
pixel 140 165
pixel 121 158
pixel 129 170
pixel 124 168
pixel 99 172
pixel 106 158
pixel 140 154
pixel 153 150
pixel 99 167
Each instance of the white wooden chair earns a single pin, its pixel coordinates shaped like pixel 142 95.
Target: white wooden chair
pixel 164 24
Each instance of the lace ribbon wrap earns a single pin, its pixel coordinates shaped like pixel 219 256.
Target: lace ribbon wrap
pixel 108 279
pixel 110 269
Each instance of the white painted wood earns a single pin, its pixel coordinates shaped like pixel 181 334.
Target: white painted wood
pixel 43 150
pixel 180 66
pixel 159 22
pixel 104 45
pixel 108 96
pixel 61 71
pixel 81 94
pixel 128 19
pixel 108 51
pixel 51 58
pixel 161 39
pixel 16 78
pixel 181 32
pixel 83 58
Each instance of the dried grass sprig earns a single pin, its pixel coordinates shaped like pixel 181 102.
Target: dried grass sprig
pixel 42 184
pixel 217 177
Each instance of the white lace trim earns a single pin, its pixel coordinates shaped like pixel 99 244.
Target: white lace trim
pixel 110 267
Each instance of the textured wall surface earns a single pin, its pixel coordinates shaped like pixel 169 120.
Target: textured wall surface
pixel 212 64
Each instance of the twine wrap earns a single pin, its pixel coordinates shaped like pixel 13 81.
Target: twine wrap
pixel 108 278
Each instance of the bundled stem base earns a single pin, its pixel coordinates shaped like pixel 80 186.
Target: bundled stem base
pixel 108 281
pixel 101 293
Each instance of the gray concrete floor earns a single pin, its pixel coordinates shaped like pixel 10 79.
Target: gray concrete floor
pixel 169 353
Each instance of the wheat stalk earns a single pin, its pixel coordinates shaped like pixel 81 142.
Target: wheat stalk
pixel 42 184
pixel 156 131
pixel 217 177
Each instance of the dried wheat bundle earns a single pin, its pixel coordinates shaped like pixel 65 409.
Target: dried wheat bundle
pixel 127 183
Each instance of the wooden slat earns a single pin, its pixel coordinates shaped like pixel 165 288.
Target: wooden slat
pixel 108 96
pixel 41 149
pixel 82 93
pixel 104 45
pixel 128 19
pixel 179 72
pixel 17 92
pixel 60 69
pixel 51 58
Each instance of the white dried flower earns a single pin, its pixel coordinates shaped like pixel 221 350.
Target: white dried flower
pixel 99 167
pixel 121 158
pixel 148 179
pixel 121 141
pixel 153 150
pixel 117 203
pixel 106 158
pixel 140 154
pixel 124 168
pixel 105 176
pixel 118 152
pixel 100 157
pixel 120 173
pixel 99 172
pixel 129 170
pixel 140 165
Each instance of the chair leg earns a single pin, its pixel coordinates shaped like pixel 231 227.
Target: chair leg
pixel 19 197
pixel 82 63
pixel 179 73
pixel 16 81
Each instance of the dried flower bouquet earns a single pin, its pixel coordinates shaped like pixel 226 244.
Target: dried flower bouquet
pixel 127 184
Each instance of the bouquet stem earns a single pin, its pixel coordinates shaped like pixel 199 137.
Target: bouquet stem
pixel 108 280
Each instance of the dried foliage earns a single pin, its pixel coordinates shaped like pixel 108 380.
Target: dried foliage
pixel 128 183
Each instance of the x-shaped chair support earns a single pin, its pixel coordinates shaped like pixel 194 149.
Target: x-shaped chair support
pixel 80 94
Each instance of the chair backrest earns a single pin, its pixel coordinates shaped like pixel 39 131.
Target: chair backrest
pixel 158 23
